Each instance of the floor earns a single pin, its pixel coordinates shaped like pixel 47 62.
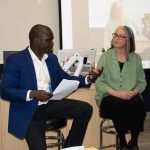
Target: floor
pixel 144 139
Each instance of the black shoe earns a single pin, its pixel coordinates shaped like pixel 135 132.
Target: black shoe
pixel 135 147
pixel 124 148
pixel 132 147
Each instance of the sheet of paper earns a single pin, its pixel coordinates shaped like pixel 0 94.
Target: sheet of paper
pixel 64 88
pixel 74 148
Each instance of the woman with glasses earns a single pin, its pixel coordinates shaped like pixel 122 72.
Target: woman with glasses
pixel 119 88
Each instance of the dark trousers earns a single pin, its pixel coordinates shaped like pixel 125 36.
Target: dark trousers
pixel 126 115
pixel 79 111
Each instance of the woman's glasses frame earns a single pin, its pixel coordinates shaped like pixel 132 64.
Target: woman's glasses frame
pixel 117 36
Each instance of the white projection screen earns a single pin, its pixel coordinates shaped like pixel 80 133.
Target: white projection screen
pixel 90 23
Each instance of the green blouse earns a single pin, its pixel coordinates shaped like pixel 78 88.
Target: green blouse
pixel 131 76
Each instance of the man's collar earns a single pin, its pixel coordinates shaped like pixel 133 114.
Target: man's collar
pixel 34 57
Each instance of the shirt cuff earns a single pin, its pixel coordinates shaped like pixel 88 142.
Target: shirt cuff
pixel 28 97
pixel 86 81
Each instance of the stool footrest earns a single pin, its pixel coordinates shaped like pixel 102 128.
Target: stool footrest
pixel 109 129
pixel 53 137
pixel 108 146
pixel 54 145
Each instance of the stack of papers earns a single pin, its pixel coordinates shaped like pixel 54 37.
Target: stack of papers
pixel 64 89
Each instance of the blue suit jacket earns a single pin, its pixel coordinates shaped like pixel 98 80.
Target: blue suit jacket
pixel 19 77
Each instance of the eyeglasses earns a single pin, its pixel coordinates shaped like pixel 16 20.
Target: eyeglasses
pixel 121 37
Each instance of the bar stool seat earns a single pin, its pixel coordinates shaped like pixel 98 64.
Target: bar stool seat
pixel 54 125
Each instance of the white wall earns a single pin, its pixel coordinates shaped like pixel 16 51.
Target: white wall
pixel 18 16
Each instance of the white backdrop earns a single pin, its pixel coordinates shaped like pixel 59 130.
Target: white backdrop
pixel 18 16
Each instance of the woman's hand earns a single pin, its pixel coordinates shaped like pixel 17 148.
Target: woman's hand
pixel 127 95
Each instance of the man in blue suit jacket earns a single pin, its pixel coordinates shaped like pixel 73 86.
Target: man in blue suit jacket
pixel 30 77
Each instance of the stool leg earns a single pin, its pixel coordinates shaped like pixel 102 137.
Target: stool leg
pixel 117 142
pixel 101 134
pixel 61 140
pixel 101 137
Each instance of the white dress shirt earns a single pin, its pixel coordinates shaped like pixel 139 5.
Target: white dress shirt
pixel 42 74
